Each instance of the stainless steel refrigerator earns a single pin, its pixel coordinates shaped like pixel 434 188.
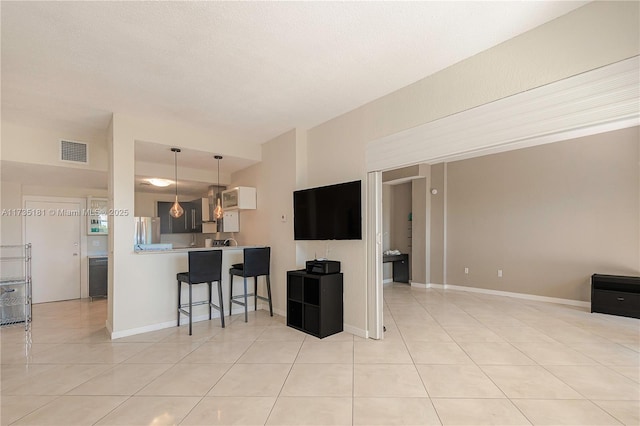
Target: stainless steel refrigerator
pixel 147 231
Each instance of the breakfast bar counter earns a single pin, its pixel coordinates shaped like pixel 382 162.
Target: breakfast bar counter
pixel 151 294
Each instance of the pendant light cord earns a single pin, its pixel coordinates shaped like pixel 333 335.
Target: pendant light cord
pixel 175 163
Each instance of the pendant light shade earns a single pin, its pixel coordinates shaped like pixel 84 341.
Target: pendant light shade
pixel 176 209
pixel 218 212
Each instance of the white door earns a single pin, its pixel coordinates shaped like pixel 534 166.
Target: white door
pixel 55 253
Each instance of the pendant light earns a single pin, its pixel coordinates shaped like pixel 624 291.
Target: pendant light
pixel 217 212
pixel 176 209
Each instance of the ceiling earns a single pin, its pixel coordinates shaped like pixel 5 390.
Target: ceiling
pixel 161 154
pixel 247 70
pixel 250 70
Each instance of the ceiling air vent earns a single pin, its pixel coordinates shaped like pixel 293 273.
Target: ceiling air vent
pixel 76 152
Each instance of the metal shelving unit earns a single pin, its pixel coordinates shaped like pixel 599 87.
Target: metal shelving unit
pixel 15 285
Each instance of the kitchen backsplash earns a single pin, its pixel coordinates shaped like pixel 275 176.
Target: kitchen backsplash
pixel 185 240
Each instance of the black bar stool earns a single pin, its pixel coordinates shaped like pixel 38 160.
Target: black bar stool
pixel 204 267
pixel 256 263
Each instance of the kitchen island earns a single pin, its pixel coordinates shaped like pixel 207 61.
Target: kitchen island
pixel 152 298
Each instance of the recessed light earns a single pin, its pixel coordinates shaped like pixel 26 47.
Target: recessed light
pixel 160 182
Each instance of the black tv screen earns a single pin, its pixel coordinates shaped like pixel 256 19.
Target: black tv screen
pixel 328 212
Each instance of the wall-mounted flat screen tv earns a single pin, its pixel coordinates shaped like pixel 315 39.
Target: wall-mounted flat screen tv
pixel 331 212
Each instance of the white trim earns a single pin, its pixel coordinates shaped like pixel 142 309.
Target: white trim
pixel 168 324
pixel 139 330
pixel 524 296
pixel 596 101
pixel 445 214
pixel 374 308
pixel 279 312
pixel 418 285
pixel 356 331
pixel 387 281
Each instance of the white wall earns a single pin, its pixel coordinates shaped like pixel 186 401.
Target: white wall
pixel 420 231
pixel 559 49
pixel 134 278
pixel 387 271
pixel 39 145
pixel 253 229
pixel 437 224
pixel 401 207
pixel 11 226
pixel 548 216
pixel 275 180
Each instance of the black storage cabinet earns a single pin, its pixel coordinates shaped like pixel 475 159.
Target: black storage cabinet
pixel 616 295
pixel 98 276
pixel 400 266
pixel 314 303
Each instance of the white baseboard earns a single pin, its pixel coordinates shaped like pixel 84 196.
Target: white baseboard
pixel 168 324
pixel 418 285
pixel 355 331
pixel 524 296
pixel 436 286
pixel 279 312
pixel 387 281
pixel 140 330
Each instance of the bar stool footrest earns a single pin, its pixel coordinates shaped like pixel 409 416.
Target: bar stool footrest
pixel 202 302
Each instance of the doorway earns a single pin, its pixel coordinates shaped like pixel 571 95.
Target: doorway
pixel 397 227
pixel 586 102
pixel 54 232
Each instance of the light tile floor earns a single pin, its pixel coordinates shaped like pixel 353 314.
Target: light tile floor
pixel 448 357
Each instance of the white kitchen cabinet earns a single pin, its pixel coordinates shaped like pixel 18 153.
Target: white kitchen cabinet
pixel 240 197
pixel 231 221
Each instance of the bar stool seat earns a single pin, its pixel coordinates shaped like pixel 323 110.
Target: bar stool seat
pixel 256 263
pixel 204 267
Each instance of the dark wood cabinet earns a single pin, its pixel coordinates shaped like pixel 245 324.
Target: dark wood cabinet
pixel 181 225
pixel 616 295
pixel 314 303
pixel 195 209
pixel 98 276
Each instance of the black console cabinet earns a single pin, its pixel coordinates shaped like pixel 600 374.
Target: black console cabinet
pixel 614 294
pixel 400 266
pixel 314 303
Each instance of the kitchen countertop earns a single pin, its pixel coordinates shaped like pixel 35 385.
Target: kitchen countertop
pixel 97 256
pixel 188 249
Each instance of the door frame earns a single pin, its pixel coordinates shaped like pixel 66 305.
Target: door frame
pixel 375 305
pixel 82 238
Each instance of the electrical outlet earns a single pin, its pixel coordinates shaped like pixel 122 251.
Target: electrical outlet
pixel 466 270
pixel 499 273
